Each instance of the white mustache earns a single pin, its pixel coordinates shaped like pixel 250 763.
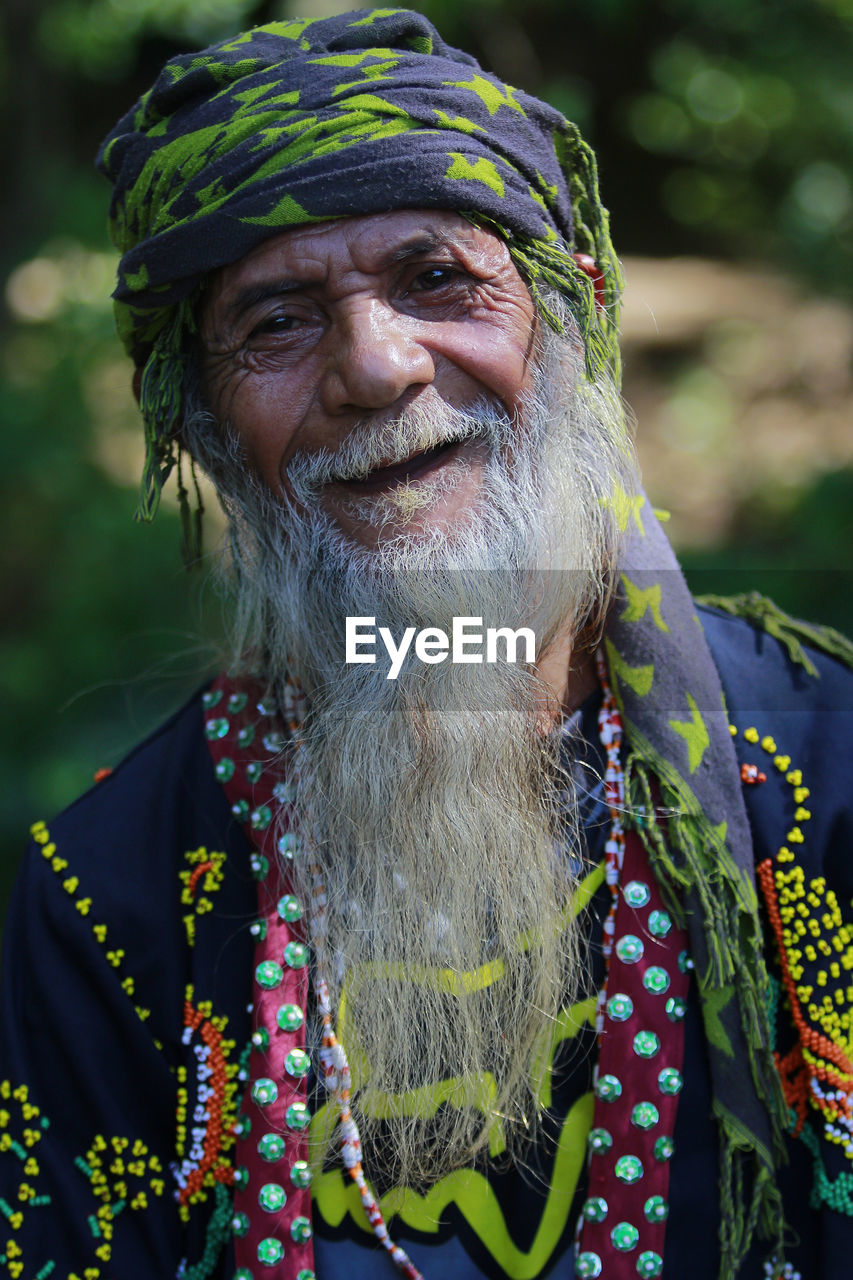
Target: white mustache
pixel 417 429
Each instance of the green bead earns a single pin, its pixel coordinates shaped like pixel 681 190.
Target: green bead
pixel 628 1169
pixel 670 1081
pixel 659 923
pixel 656 980
pixel 270 1252
pixel 237 702
pixel 269 975
pixel 599 1141
pixel 619 1008
pixel 629 948
pixel 636 893
pixel 588 1264
pixel 656 1209
pixel 260 866
pixel 649 1264
pixel 289 1017
pixel 261 817
pixel 297 1116
pixel 300 1230
pixel 271 1147
pixel 217 728
pixel 224 769
pixel 624 1237
pixel 664 1147
pixel 646 1044
pixel 240 1224
pixel 246 734
pixel 296 955
pixel 297 1063
pixel 272 1197
pixel 608 1088
pixel 300 1174
pixel 676 1008
pixel 595 1209
pixel 264 1091
pixel 645 1115
pixel 289 907
pixel 254 771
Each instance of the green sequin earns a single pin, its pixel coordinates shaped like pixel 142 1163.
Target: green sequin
pixel 261 817
pixel 216 728
pixel 645 1115
pixel 224 769
pixel 297 1116
pixel 670 1081
pixel 599 1141
pixel 629 948
pixel 624 1237
pixel 656 980
pixel 664 1147
pixel 656 1209
pixel 300 1174
pixel 240 1224
pixel 619 1007
pixel 270 1252
pixel 636 893
pixel 649 1264
pixel 289 1017
pixel 297 1063
pixel 628 1169
pixel 595 1209
pixel 289 907
pixel 264 1091
pixel 588 1264
pixel 296 955
pixel 659 923
pixel 608 1088
pixel 271 1147
pixel 254 770
pixel 676 1008
pixel 237 702
pixel 300 1230
pixel 646 1044
pixel 269 975
pixel 272 1197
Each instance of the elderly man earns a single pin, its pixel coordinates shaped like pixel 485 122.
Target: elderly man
pixel 427 937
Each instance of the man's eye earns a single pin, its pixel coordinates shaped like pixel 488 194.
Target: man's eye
pixel 433 278
pixel 277 324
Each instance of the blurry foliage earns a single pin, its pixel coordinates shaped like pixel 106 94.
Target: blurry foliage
pixel 723 127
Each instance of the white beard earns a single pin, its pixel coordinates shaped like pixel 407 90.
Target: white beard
pixel 433 806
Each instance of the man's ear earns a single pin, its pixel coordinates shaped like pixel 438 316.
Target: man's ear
pixel 137 383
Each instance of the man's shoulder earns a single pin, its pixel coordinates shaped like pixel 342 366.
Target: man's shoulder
pixel 770 661
pixel 124 841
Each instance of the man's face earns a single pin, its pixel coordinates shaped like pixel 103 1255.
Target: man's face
pixel 352 322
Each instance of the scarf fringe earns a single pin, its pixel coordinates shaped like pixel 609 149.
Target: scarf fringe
pixel 760 611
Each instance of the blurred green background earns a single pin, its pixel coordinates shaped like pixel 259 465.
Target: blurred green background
pixel 725 135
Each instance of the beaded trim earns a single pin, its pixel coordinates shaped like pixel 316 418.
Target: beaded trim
pixel 815 950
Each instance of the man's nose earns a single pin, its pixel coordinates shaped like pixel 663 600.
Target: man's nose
pixel 375 357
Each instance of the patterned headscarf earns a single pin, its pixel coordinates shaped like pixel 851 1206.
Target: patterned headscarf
pixel 297 122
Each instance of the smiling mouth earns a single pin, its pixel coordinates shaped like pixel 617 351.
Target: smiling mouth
pixel 417 466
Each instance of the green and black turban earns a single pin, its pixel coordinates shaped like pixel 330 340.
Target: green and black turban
pixel 297 122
